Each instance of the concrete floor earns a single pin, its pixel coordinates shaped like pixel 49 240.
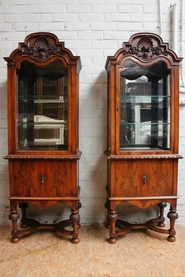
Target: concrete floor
pixel 136 254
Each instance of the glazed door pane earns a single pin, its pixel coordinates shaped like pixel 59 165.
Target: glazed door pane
pixel 144 106
pixel 42 107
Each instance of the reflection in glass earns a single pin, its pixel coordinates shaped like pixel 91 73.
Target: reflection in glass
pixel 42 106
pixel 144 106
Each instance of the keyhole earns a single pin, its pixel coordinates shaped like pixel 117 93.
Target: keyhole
pixel 42 178
pixel 144 179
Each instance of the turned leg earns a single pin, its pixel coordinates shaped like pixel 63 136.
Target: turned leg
pixel 14 216
pixel 112 220
pixel 161 215
pixel 172 215
pixel 23 207
pixel 75 218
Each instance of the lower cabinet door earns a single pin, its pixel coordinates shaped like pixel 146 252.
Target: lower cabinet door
pixel 142 178
pixel 43 178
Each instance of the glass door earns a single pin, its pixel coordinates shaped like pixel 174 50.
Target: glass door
pixel 42 107
pixel 144 106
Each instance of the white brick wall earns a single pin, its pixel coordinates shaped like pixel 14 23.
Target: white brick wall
pixel 92 30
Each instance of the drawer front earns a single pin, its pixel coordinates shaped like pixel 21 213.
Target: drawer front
pixel 142 178
pixel 43 178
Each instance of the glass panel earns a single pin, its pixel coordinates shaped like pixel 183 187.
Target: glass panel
pixel 144 106
pixel 42 107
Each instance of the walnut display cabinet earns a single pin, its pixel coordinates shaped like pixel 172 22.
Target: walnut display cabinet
pixel 43 154
pixel 143 132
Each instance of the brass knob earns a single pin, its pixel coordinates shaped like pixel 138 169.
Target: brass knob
pixel 144 179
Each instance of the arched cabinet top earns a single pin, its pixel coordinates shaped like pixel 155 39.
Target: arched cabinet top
pixel 144 48
pixel 41 47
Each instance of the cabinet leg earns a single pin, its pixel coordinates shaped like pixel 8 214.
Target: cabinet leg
pixel 23 208
pixel 161 215
pixel 14 216
pixel 172 215
pixel 112 221
pixel 75 218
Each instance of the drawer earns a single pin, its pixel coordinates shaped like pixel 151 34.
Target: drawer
pixel 43 178
pixel 142 178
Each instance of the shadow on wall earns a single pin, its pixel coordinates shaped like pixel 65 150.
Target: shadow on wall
pixel 3 127
pixel 4 173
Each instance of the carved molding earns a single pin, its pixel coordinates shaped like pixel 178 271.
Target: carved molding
pixel 143 157
pixel 45 157
pixel 144 49
pixel 41 49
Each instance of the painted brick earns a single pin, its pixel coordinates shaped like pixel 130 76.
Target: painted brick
pixel 67 2
pixel 108 8
pixel 26 9
pixel 132 27
pixel 78 8
pixel 117 17
pixel 54 27
pixel 65 17
pixel 143 17
pixel 46 17
pixel 29 27
pixel 103 26
pixel 130 8
pixel 52 9
pixel 96 17
pixel 76 26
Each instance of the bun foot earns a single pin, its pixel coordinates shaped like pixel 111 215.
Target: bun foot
pixel 111 240
pixel 75 241
pixel 14 240
pixel 171 238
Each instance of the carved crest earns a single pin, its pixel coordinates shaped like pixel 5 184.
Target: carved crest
pixel 41 50
pixel 144 49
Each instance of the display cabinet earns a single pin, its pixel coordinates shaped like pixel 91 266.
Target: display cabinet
pixel 43 154
pixel 143 132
